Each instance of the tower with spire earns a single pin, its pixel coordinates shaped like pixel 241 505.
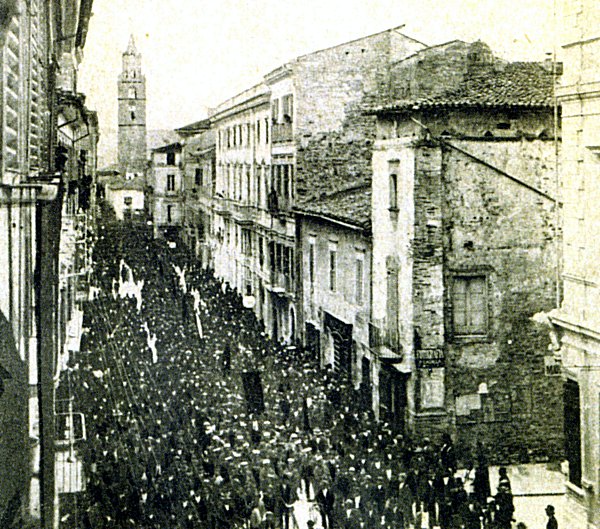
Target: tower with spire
pixel 132 114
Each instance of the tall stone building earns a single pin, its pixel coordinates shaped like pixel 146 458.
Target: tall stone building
pixel 464 250
pixel 296 135
pixel 132 114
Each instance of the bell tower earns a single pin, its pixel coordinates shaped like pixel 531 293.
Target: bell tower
pixel 132 114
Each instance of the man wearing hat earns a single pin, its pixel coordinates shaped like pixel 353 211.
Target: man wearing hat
pixel 552 523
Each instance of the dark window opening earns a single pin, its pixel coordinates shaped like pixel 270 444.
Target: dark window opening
pixel 572 429
pixel 393 192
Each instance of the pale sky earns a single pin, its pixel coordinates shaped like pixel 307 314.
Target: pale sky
pixel 197 53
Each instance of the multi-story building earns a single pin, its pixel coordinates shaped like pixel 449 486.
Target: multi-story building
pixel 465 247
pixel 282 142
pixel 199 186
pixel 241 223
pixel 578 318
pixel 334 249
pixel 164 195
pixel 48 142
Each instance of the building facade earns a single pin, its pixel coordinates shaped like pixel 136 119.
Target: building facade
pixel 578 318
pixel 165 184
pixel 334 249
pixel 48 142
pixel 199 187
pixel 132 115
pixel 464 248
pixel 241 223
pixel 126 198
pixel 297 134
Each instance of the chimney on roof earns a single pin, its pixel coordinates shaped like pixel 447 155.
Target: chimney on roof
pixel 553 67
pixel 479 56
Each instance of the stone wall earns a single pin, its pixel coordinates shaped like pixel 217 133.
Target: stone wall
pixel 332 89
pixel 496 388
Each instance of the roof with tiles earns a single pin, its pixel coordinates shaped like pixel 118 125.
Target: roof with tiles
pixel 518 84
pixel 351 206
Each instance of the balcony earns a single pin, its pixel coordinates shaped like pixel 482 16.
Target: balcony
pixel 244 213
pixel 281 283
pixel 278 204
pixel 385 340
pixel 222 206
pixel 282 133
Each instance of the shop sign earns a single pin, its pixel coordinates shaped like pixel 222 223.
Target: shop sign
pixel 430 358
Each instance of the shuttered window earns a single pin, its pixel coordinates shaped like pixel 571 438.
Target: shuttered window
pixel 469 305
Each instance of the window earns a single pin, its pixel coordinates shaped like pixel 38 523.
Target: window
pixel 266 130
pixel 128 201
pixel 246 242
pixel 311 261
pixel 287 104
pixel 393 192
pixel 170 182
pixel 132 93
pixel 359 279
pixel 275 111
pixel 170 209
pixel 393 170
pixel 392 303
pixel 198 176
pixel 469 305
pixel 170 158
pixel 333 269
pixel 261 251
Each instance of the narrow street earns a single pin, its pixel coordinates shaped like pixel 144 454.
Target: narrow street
pixel 171 437
pixel 176 432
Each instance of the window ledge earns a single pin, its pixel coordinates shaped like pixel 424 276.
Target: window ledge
pixel 472 338
pixel 393 210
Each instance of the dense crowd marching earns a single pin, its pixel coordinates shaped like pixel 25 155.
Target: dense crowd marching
pixel 175 442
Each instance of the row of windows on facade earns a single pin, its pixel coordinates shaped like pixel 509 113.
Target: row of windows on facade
pixel 332 270
pixel 281 257
pixel 469 293
pixel 241 183
pixel 242 134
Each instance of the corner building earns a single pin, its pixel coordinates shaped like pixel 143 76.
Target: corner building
pixel 464 248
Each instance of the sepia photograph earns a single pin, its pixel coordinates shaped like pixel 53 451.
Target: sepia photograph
pixel 299 264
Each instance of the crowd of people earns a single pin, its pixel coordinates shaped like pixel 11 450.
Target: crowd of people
pixel 197 419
